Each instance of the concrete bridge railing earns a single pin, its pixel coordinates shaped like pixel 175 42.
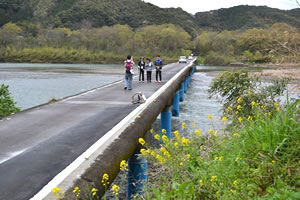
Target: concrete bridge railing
pixel 121 142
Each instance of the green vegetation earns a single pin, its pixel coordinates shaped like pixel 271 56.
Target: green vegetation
pixel 101 31
pixel 7 104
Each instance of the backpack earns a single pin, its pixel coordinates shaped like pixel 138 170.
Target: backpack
pixel 128 65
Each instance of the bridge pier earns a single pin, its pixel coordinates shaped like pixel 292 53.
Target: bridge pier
pixel 185 85
pixel 166 120
pixel 137 174
pixel 175 106
pixel 181 92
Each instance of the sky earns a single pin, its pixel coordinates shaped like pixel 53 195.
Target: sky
pixel 193 6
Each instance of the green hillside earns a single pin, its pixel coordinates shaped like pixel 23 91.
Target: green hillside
pixel 77 14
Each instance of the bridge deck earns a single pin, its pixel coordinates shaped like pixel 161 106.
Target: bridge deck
pixel 37 144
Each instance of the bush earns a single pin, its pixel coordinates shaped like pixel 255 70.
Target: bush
pixel 215 59
pixel 7 104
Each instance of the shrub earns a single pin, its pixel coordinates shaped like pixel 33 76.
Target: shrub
pixel 7 104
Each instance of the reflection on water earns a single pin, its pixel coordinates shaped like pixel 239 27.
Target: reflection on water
pixel 35 84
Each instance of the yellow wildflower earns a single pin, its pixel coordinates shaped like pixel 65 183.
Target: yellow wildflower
pixel 142 141
pixel 273 161
pixel 262 107
pixel 162 149
pixel 76 189
pixel 240 119
pixel 139 117
pixel 220 158
pixel 143 151
pixel 181 163
pixel 183 125
pixel 94 191
pixel 123 165
pixel 229 109
pixel 240 100
pixel 151 130
pixel 164 131
pixel 216 158
pixel 236 112
pixel 153 154
pixel 56 190
pixel 276 104
pixel 215 134
pixel 210 131
pixel 148 151
pixel 253 103
pixel 235 182
pixel 115 189
pixel 165 139
pixel 157 137
pixel 198 132
pixel 176 144
pixel 233 191
pixel 210 116
pixel 185 141
pixel 201 182
pixel 212 178
pixel 277 109
pixel 250 117
pixel 224 118
pixel 239 107
pixel 159 158
pixel 236 135
pixel 176 133
pixel 167 154
pixel 188 155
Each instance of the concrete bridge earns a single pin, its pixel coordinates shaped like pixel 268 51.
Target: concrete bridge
pixel 78 139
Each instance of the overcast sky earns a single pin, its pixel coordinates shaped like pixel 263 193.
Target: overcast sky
pixel 193 6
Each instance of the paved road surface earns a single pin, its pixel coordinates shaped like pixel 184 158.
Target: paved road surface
pixel 37 144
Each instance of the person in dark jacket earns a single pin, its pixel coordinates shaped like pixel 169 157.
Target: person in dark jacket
pixel 158 66
pixel 141 66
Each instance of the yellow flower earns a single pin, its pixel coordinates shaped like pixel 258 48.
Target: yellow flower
pixel 239 107
pixel 236 112
pixel 142 141
pixel 233 191
pixel 253 103
pixel 94 191
pixel 139 117
pixel 181 163
pixel 165 139
pixel 240 119
pixel 176 133
pixel 198 132
pixel 229 109
pixel 153 154
pixel 240 100
pixel 215 134
pixel 276 104
pixel 164 131
pixel 115 189
pixel 185 141
pixel 76 189
pixel 167 154
pixel 216 158
pixel 262 107
pixel 143 151
pixel 188 155
pixel 176 144
pixel 210 131
pixel 212 178
pixel 157 137
pixel 162 149
pixel 235 182
pixel 273 161
pixel 277 109
pixel 151 130
pixel 224 118
pixel 250 117
pixel 183 125
pixel 210 116
pixel 201 182
pixel 220 158
pixel 105 177
pixel 236 135
pixel 123 165
pixel 159 158
pixel 56 190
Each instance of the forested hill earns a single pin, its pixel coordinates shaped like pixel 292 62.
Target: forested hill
pixel 76 14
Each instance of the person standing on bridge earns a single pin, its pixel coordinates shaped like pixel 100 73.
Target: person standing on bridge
pixel 158 66
pixel 141 66
pixel 128 64
pixel 149 66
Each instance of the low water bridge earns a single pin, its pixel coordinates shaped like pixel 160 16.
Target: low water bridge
pixel 81 137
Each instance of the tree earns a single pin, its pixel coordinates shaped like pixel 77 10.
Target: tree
pixel 7 104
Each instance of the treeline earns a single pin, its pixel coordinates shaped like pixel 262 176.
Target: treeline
pixel 26 42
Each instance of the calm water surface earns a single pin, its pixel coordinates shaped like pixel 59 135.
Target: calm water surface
pixel 35 84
